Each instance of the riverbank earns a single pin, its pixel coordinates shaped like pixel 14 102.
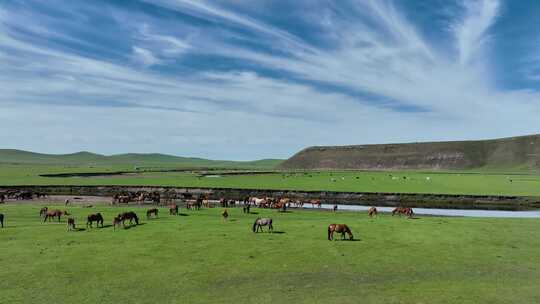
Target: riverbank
pixel 415 200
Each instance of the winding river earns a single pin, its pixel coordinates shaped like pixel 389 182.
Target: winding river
pixel 443 212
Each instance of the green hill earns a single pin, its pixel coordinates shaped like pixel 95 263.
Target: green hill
pixel 12 156
pixel 514 153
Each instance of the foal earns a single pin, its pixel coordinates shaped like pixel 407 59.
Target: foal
pixel 173 209
pixel 70 224
pixel 153 211
pixel 225 214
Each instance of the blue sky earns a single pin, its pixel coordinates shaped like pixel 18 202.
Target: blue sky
pixel 243 79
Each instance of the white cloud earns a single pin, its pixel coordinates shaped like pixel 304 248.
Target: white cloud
pixel 113 106
pixel 144 56
pixel 471 32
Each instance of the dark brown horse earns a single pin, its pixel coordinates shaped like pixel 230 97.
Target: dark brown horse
pixel 131 216
pixel 403 210
pixel 372 211
pixel 173 209
pixel 51 214
pixel 339 228
pixel 153 211
pixel 91 218
pixel 2 220
pixel 71 224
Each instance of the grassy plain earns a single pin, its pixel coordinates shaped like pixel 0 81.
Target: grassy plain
pixel 492 183
pixel 198 258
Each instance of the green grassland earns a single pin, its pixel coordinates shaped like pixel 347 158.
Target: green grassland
pixel 483 183
pixel 124 161
pixel 199 258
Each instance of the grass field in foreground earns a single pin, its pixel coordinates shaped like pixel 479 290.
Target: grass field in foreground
pixel 199 258
pixel 355 181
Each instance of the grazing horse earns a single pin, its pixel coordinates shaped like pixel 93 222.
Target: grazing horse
pixel 339 228
pixel 315 203
pixel 403 210
pixel 70 224
pixel 153 211
pixel 2 220
pixel 173 209
pixel 225 214
pixel 198 203
pixel 94 218
pixel 372 211
pixel 129 216
pixel 260 222
pixel 259 202
pixel 116 221
pixel 42 211
pixel 54 213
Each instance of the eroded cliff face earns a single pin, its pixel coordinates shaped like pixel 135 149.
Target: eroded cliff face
pixel 516 152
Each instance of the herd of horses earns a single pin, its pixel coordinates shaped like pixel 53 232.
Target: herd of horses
pixel 20 195
pixel 120 220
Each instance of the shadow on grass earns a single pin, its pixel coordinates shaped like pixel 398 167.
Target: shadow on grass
pixel 253 213
pixel 134 225
pixel 183 214
pixel 278 232
pixel 281 211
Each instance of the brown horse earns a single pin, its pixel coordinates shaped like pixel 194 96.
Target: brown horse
pixel 71 224
pixel 42 211
pixel 153 211
pixel 339 228
pixel 2 220
pixel 117 220
pixel 173 209
pixel 54 213
pixel 94 218
pixel 225 214
pixel 372 211
pixel 403 210
pixel 315 203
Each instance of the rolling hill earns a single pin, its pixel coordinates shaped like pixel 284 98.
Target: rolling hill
pixel 513 153
pixel 12 156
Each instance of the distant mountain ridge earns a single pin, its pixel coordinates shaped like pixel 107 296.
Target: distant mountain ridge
pixel 14 156
pixel 520 153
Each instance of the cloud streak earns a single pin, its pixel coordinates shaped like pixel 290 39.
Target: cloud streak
pixel 209 79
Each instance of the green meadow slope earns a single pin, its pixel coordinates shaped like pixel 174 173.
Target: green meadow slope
pixel 18 157
pixel 516 153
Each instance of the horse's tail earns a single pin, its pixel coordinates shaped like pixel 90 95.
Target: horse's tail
pixel 255 224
